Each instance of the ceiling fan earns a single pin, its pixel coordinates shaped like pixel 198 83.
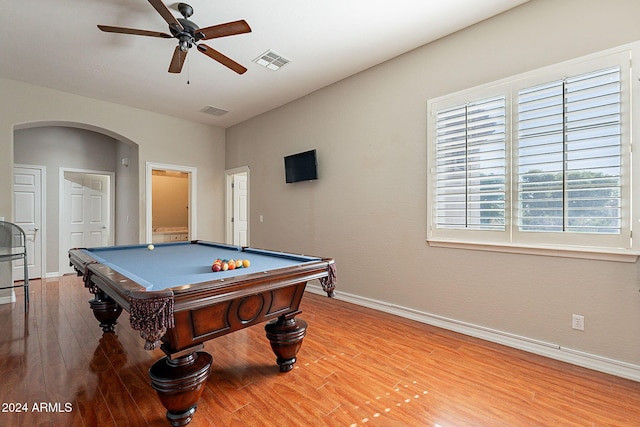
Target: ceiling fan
pixel 188 33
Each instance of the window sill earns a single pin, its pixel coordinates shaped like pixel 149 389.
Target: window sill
pixel 621 255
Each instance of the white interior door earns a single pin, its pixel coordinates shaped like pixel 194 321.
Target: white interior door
pixel 240 211
pixel 85 213
pixel 27 213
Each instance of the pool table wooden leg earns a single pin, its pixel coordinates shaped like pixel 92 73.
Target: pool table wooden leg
pixel 286 334
pixel 105 310
pixel 180 382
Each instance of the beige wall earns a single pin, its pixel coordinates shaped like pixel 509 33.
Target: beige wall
pixel 160 139
pixel 368 209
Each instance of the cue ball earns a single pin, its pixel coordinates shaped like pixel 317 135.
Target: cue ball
pixel 150 247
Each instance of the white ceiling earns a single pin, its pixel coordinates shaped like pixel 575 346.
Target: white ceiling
pixel 56 44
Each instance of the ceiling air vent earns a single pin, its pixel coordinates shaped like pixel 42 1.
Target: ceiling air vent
pixel 214 111
pixel 271 60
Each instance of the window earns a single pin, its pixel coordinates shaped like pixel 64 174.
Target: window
pixel 537 162
pixel 471 165
pixel 569 155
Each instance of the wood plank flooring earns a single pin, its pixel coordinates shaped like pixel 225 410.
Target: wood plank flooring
pixel 357 367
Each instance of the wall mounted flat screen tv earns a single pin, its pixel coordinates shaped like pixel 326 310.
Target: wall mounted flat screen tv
pixel 301 167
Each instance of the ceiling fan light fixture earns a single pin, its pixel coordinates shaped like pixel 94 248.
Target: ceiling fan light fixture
pixel 271 60
pixel 185 45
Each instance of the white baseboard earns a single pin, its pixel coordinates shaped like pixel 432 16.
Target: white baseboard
pixel 53 275
pixel 8 299
pixel 551 350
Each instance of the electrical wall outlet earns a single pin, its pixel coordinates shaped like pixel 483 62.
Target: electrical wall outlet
pixel 577 322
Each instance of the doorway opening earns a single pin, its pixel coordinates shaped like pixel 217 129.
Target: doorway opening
pixel 170 203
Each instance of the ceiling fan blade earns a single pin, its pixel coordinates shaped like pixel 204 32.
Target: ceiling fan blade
pixel 167 15
pixel 177 60
pixel 223 30
pixel 224 60
pixel 121 30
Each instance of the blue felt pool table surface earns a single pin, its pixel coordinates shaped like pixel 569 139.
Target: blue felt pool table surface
pixel 171 265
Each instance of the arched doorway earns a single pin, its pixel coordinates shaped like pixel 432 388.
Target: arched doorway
pixel 63 146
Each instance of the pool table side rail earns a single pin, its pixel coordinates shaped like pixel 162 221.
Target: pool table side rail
pixel 202 311
pixel 119 286
pixel 188 297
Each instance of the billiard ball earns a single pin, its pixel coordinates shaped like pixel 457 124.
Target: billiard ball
pixel 150 247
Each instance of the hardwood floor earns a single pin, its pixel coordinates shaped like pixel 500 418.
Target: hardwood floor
pixel 357 367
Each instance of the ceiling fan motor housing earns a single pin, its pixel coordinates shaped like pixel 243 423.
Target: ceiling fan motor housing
pixel 188 36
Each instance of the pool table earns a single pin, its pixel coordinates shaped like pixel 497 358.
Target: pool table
pixel 177 303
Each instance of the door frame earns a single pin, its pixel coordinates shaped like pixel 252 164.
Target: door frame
pixel 43 212
pixel 63 258
pixel 193 196
pixel 229 173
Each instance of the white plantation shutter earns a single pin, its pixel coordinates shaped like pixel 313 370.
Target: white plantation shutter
pixel 471 165
pixel 569 155
pixel 538 162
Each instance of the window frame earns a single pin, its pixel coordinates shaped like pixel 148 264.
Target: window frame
pixel 618 247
